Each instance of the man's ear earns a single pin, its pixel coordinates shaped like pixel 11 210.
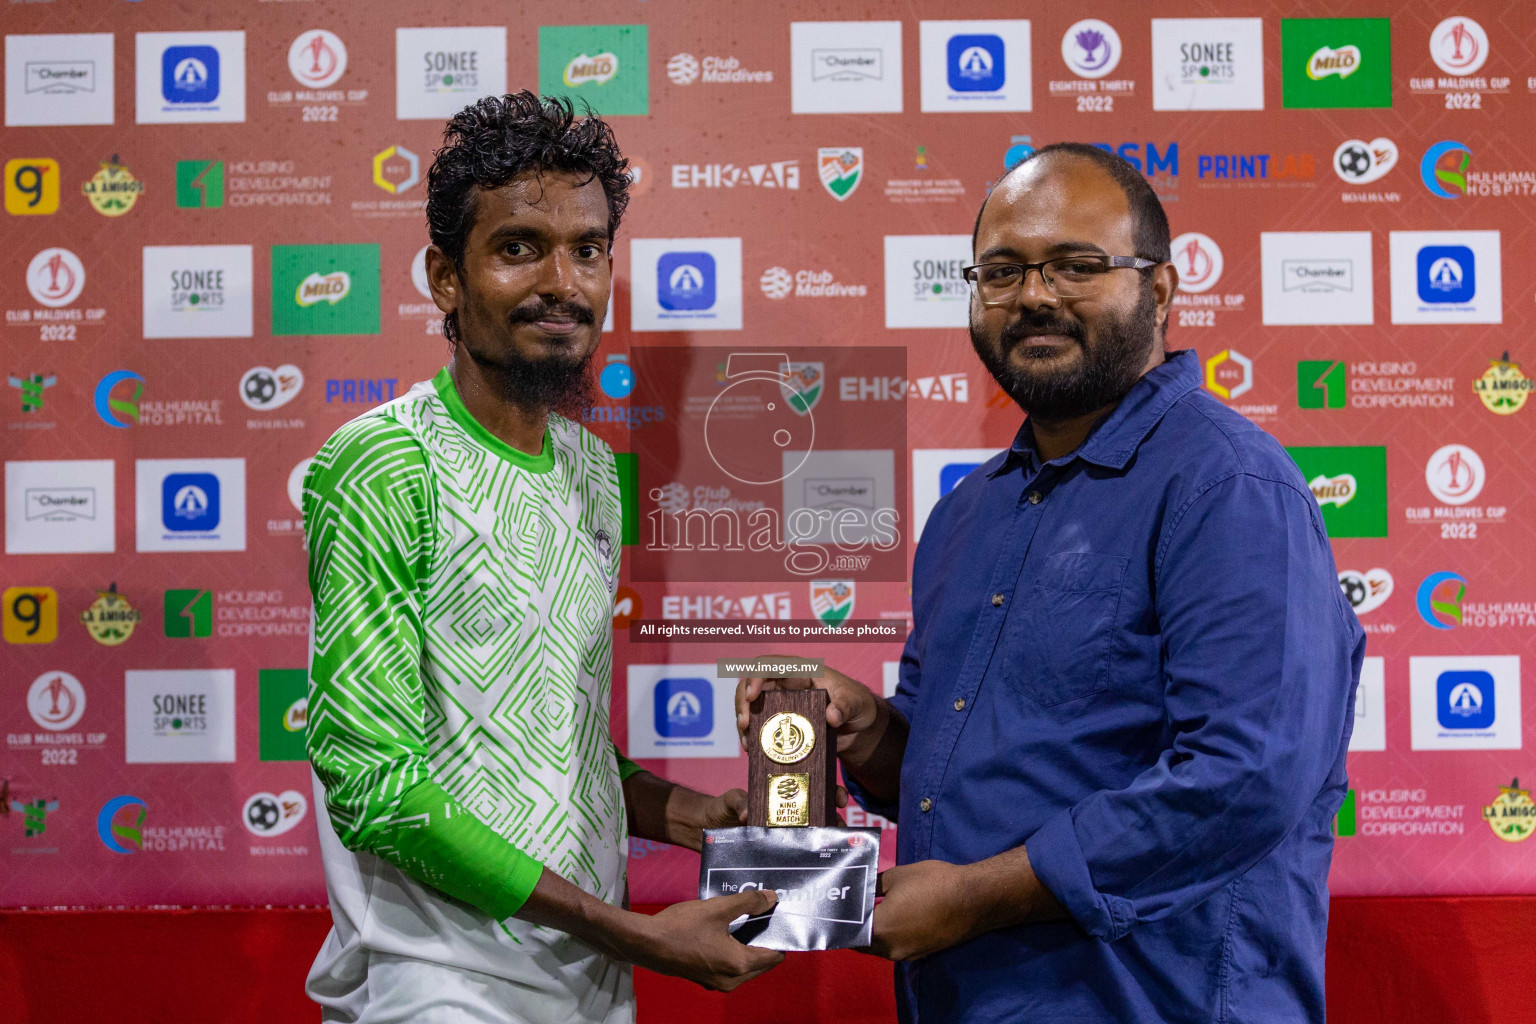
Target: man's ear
pixel 443 280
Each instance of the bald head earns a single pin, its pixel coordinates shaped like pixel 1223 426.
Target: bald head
pixel 1148 227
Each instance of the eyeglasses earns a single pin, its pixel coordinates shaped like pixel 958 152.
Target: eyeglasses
pixel 1069 277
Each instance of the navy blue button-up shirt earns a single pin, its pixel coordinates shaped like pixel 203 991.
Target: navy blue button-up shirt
pixel 1158 671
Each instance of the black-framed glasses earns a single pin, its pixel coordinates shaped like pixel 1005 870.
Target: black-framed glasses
pixel 1069 277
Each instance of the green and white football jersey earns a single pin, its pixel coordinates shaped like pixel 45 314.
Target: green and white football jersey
pixel 460 666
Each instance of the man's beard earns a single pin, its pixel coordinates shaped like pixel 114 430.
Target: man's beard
pixel 560 383
pixel 1110 367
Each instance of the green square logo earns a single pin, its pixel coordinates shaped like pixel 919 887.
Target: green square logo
pixel 1321 384
pixel 284 711
pixel 1350 485
pixel 608 66
pixel 188 613
pixel 200 184
pixel 629 495
pixel 1335 62
pixel 325 289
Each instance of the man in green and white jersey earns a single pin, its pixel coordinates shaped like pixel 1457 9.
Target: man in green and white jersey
pixel 464 551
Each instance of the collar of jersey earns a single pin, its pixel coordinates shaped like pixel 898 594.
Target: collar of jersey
pixel 541 463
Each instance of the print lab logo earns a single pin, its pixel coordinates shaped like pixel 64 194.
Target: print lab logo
pixel 55 277
pixel 1459 46
pixel 1199 261
pixel 1091 48
pixel 317 59
pixel 1360 163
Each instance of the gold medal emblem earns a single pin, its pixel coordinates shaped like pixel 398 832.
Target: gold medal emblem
pixel 787 737
pixel 789 800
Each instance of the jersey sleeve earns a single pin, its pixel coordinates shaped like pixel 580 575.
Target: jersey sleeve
pixel 368 518
pixel 626 766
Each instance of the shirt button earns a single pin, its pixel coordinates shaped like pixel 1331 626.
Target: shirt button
pixel 1034 497
pixel 997 600
pixel 959 703
pixel 925 805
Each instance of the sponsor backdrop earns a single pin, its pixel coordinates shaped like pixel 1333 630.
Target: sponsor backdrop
pixel 215 235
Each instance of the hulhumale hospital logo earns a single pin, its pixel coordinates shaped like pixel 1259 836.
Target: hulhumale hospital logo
pixel 1439 599
pixel 120 824
pixel 1444 168
pixel 121 411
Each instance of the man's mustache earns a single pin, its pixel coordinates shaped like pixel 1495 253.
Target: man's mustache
pixel 532 312
pixel 1027 326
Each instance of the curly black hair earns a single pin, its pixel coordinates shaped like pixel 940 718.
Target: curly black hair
pixel 495 139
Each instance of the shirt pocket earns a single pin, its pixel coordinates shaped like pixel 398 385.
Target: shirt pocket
pixel 1059 638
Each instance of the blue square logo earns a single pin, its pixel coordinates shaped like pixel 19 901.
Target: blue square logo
pixel 189 74
pixel 685 281
pixel 685 708
pixel 189 502
pixel 1447 273
pixel 977 63
pixel 951 475
pixel 1464 699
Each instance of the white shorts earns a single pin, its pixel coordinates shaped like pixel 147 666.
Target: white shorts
pixel 400 990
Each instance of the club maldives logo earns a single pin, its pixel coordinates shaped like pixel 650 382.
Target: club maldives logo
pixel 1459 46
pixel 832 600
pixel 1439 599
pixel 1198 260
pixel 1512 815
pixel 55 277
pixel 113 189
pixel 1443 168
pixel 1503 388
pixel 1091 48
pixel 317 59
pixel 120 824
pixel 841 169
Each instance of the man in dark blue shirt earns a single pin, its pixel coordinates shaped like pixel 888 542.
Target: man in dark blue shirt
pixel 1119 735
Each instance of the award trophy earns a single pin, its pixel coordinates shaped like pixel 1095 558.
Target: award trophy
pixel 823 872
